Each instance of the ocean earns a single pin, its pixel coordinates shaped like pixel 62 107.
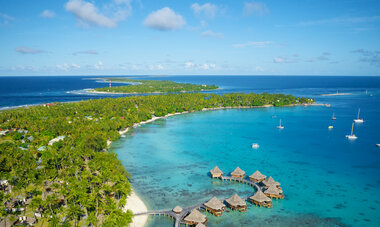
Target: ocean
pixel 327 180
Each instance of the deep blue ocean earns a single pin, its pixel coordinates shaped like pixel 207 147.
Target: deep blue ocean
pixel 327 180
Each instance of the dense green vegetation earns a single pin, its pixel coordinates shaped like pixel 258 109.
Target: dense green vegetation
pixel 153 86
pixel 75 180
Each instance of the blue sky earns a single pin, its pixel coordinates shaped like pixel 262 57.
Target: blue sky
pixel 181 37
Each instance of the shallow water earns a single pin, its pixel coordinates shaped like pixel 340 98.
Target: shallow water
pixel 327 180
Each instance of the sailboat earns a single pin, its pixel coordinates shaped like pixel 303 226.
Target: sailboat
pixel 333 117
pixel 352 136
pixel 280 126
pixel 359 120
pixel 255 145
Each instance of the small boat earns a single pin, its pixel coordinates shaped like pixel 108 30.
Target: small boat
pixel 352 136
pixel 255 145
pixel 331 127
pixel 333 117
pixel 359 120
pixel 378 144
pixel 280 126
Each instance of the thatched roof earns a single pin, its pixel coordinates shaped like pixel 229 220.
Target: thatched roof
pixel 270 181
pixel 177 209
pixel 257 175
pixel 260 197
pixel 235 200
pixel 216 170
pixel 195 216
pixel 273 190
pixel 214 204
pixel 200 225
pixel 238 171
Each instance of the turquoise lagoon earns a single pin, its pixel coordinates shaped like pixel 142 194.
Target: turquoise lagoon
pixel 327 180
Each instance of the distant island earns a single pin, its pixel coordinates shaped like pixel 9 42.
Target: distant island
pixel 151 86
pixel 55 166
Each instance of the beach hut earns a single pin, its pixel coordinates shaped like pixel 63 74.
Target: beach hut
pixel 177 209
pixel 215 206
pixel 238 173
pixel 195 217
pixel 237 203
pixel 274 192
pixel 257 177
pixel 260 199
pixel 216 172
pixel 271 182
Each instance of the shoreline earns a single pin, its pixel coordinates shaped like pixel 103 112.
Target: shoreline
pixel 134 202
pixel 336 94
pixel 136 205
pixel 138 93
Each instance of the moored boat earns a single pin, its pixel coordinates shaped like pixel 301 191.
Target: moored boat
pixel 351 136
pixel 280 126
pixel 358 119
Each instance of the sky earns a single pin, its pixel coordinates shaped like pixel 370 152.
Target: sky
pixel 181 37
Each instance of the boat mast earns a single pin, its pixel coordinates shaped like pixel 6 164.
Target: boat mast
pixel 358 113
pixel 352 129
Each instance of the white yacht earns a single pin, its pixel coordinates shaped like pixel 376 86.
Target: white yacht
pixel 359 120
pixel 255 145
pixel 280 126
pixel 352 136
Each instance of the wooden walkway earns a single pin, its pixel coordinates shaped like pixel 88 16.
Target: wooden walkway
pixel 241 180
pixel 170 213
pixel 186 210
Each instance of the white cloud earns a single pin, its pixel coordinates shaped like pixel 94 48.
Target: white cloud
pixel 99 65
pixel 164 19
pixel 210 33
pixel 27 50
pixel 259 69
pixel 189 65
pixel 205 66
pixel 207 9
pixel 88 14
pixel 67 67
pixel 155 67
pixel 254 44
pixel 254 8
pixel 5 19
pixel 283 60
pixel 47 14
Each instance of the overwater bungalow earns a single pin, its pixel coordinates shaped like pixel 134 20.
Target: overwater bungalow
pixel 195 217
pixel 271 182
pixel 260 199
pixel 257 177
pixel 238 173
pixel 177 209
pixel 200 225
pixel 237 203
pixel 215 206
pixel 216 172
pixel 274 192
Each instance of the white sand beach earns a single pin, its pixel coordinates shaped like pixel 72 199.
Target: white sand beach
pixel 136 205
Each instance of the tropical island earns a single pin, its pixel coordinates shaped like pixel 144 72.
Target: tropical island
pixel 151 86
pixel 55 167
